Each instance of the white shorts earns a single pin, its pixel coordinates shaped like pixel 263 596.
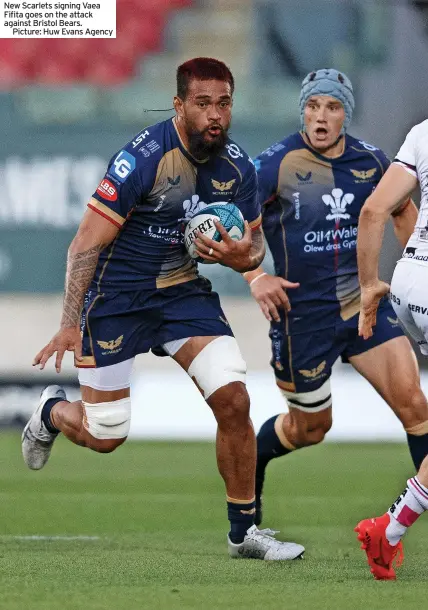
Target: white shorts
pixel 409 298
pixel 118 376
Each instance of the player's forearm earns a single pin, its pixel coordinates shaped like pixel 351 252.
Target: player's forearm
pixel 404 222
pixel 371 227
pixel 81 264
pixel 257 251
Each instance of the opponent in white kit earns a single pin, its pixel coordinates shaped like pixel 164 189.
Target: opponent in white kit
pixel 381 536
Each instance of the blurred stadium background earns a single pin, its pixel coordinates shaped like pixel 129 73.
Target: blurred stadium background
pixel 67 105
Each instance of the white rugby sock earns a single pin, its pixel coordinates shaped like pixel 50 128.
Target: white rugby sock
pixel 408 507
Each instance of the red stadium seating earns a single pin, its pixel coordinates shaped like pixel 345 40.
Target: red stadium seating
pixel 102 62
pixel 109 71
pixel 17 60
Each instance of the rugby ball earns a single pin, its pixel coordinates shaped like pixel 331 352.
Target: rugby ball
pixel 227 213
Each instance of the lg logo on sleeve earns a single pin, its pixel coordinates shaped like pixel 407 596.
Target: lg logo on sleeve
pixel 123 165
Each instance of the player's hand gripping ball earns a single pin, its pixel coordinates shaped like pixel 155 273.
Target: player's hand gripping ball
pixel 228 214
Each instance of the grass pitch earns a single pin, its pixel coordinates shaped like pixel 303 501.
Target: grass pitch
pixel 154 519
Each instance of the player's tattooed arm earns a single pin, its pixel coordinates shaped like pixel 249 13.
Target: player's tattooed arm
pixel 80 271
pixel 258 250
pixel 94 234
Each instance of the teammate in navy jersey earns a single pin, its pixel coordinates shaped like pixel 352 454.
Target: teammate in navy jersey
pixel 312 187
pixel 131 287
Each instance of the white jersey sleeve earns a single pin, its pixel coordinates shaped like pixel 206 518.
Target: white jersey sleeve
pixel 406 156
pixel 413 156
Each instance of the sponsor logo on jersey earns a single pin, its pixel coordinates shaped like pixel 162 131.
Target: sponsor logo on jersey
pixel 333 239
pixel 141 136
pixel 338 202
pixel 269 152
pixel 234 151
pixel 423 234
pixel 174 181
pixel 149 148
pixel 296 197
pixel 160 204
pixel 367 146
pixel 417 308
pixel 392 321
pixel 112 346
pixel 192 206
pixel 171 236
pixel 223 187
pixel 411 253
pixel 304 179
pixel 107 190
pixel 363 175
pixel 315 372
pixel 123 165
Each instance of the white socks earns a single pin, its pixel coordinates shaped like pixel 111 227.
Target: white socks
pixel 406 509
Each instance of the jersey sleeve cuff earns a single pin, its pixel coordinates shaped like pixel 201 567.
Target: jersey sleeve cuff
pixel 411 169
pixel 254 224
pixel 106 212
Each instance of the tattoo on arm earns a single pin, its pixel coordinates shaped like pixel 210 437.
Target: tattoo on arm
pixel 80 271
pixel 258 250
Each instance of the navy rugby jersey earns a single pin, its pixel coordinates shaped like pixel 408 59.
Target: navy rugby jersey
pixel 310 210
pixel 151 188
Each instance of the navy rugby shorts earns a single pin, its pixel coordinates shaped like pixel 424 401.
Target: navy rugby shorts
pixel 117 326
pixel 303 362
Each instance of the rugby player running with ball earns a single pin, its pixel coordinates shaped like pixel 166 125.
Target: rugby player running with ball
pixel 132 287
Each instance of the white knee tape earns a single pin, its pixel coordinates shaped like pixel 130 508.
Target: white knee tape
pixel 217 364
pixel 310 402
pixel 106 420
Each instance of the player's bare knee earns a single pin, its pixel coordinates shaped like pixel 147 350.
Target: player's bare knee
pixel 316 436
pixel 105 445
pixel 305 436
pixel 231 405
pixel 327 422
pixel 310 415
pixel 412 410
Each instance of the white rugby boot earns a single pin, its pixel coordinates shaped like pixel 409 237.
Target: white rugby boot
pixel 261 544
pixel 36 439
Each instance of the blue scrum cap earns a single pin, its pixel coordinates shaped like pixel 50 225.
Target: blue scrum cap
pixel 328 81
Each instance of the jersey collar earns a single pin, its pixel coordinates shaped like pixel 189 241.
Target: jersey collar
pixel 320 155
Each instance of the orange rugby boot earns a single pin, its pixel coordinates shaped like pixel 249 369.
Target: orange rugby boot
pixel 380 554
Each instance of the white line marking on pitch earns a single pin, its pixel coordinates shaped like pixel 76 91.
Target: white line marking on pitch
pixel 51 537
